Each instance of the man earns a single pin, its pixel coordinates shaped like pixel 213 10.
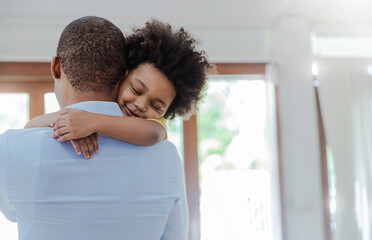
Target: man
pixel 124 192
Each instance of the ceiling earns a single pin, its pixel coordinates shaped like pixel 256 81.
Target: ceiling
pixel 189 12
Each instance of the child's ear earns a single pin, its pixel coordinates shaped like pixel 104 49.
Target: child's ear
pixel 56 68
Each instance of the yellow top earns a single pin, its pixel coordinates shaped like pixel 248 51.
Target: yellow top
pixel 162 122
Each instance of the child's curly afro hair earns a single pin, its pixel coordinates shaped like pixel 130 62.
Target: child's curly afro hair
pixel 174 54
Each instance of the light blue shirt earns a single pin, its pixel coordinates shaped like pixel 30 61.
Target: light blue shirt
pixel 125 191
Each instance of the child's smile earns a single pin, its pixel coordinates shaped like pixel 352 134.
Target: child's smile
pixel 129 112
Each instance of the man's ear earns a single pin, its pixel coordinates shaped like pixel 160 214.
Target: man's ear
pixel 126 73
pixel 56 68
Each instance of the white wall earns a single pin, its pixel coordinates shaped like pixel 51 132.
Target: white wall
pixel 291 46
pixel 23 41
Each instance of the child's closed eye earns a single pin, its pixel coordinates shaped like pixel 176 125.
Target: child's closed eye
pixel 135 91
pixel 156 108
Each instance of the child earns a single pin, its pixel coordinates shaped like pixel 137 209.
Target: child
pixel 165 78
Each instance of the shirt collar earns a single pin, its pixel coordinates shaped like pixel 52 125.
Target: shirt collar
pixel 107 108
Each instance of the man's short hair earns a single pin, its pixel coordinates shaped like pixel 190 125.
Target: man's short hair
pixel 91 51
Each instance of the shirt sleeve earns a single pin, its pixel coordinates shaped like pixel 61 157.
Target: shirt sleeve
pixel 5 207
pixel 161 121
pixel 177 226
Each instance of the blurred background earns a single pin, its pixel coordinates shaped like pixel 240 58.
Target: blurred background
pixel 280 147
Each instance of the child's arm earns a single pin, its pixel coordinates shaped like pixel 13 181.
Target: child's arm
pixel 42 120
pixel 74 124
pixel 87 145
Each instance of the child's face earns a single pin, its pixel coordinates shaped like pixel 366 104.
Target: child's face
pixel 146 92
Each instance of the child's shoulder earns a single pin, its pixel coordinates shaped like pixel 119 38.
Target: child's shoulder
pixel 161 121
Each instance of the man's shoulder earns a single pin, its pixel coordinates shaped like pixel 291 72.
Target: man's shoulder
pixel 166 147
pixel 25 143
pixel 27 130
pixel 163 149
pixel 20 136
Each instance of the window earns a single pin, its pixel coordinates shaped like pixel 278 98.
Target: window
pixel 50 103
pixel 13 114
pixel 234 177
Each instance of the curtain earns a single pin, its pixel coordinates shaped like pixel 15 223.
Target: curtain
pixel 345 93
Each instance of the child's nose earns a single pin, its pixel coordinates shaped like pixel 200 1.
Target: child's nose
pixel 140 105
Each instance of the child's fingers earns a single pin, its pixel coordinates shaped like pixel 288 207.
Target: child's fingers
pixel 53 123
pixel 76 146
pixel 61 118
pixel 63 111
pixel 95 142
pixel 84 147
pixel 60 132
pixel 59 124
pixel 90 144
pixel 65 137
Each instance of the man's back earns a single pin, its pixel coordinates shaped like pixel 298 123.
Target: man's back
pixel 124 192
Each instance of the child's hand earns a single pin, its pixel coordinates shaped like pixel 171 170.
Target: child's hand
pixel 88 145
pixel 72 124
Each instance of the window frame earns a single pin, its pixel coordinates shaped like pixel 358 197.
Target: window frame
pixel 33 78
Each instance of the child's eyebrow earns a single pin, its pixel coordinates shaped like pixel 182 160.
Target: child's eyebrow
pixel 143 85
